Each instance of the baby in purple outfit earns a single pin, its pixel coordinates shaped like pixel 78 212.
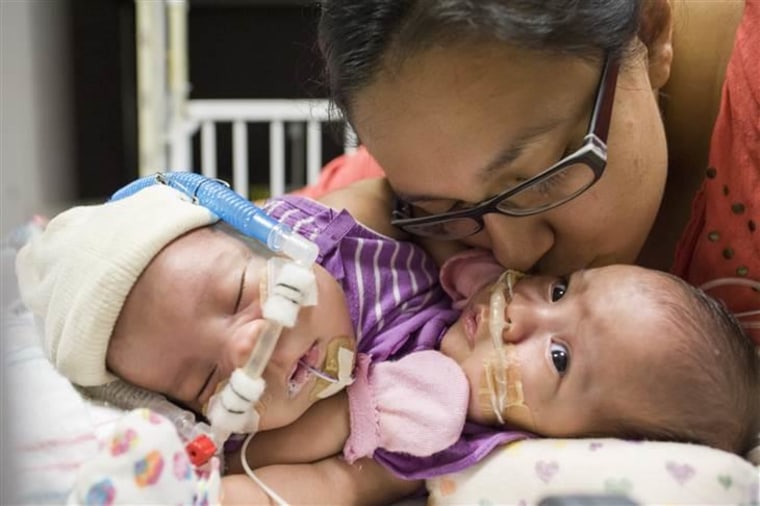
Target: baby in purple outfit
pixel 166 302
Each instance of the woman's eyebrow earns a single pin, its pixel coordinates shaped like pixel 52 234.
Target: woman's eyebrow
pixel 507 155
pixel 514 150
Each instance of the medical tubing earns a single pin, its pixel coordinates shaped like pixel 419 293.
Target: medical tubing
pixel 278 500
pixel 262 351
pixel 254 368
pixel 232 208
pixel 127 396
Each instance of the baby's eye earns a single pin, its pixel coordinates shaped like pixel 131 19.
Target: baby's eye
pixel 560 357
pixel 558 289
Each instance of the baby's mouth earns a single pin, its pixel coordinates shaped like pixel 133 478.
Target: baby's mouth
pixel 333 372
pixel 303 370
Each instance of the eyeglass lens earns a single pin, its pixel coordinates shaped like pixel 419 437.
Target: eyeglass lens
pixel 557 188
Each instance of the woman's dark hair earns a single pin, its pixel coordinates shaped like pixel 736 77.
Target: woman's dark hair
pixel 356 36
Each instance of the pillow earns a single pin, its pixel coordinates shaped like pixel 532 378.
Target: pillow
pixel 647 472
pixel 48 430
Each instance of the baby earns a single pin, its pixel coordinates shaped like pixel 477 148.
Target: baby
pixel 144 290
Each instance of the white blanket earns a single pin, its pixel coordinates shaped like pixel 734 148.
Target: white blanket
pixel 48 430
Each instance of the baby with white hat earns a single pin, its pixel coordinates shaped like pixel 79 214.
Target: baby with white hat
pixel 77 275
pixel 142 289
pixel 122 291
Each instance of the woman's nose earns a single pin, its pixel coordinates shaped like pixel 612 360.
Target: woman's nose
pixel 517 243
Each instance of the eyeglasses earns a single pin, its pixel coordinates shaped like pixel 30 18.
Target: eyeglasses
pixel 553 187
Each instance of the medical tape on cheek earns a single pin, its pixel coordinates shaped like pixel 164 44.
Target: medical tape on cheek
pixel 339 364
pixel 501 387
pixel 501 382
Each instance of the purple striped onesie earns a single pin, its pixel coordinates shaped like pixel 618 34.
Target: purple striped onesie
pixel 397 307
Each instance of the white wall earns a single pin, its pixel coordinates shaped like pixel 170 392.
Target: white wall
pixel 36 121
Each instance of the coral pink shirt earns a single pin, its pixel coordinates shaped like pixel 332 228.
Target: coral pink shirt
pixel 342 171
pixel 722 239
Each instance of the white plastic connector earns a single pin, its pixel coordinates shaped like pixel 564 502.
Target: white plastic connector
pixel 290 287
pixel 233 409
pixel 300 249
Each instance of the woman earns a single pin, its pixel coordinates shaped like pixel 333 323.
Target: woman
pixel 538 126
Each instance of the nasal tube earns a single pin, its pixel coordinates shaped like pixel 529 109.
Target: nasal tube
pixel 230 207
pixel 290 286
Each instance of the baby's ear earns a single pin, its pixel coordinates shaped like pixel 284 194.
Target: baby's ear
pixel 465 273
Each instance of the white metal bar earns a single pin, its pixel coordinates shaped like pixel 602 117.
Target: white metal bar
pixel 296 163
pixel 177 75
pixel 240 158
pixel 261 110
pixel 151 85
pixel 276 158
pixel 179 133
pixel 313 151
pixel 208 149
pixel 180 152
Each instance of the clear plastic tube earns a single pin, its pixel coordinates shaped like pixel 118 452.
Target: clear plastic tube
pixel 127 396
pixel 263 350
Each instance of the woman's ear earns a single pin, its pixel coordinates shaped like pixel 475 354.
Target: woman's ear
pixel 656 32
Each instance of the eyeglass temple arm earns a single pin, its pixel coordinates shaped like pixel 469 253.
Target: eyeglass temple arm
pixel 600 118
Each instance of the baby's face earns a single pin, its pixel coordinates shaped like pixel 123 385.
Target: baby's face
pixel 194 316
pixel 572 349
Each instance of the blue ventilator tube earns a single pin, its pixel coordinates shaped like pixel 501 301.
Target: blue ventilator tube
pixel 232 208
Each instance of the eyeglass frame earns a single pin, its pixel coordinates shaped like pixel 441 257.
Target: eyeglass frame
pixel 592 153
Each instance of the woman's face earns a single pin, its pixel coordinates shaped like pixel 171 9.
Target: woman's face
pixel 452 126
pixel 194 315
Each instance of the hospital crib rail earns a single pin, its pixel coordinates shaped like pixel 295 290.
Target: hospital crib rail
pixel 303 120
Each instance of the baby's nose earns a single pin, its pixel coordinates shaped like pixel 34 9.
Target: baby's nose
pixel 521 320
pixel 513 331
pixel 241 345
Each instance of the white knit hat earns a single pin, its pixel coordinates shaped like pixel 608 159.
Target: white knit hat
pixel 76 275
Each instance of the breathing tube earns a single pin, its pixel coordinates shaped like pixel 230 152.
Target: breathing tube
pixel 200 447
pixel 246 217
pixel 291 285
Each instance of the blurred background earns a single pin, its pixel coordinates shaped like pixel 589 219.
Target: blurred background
pixel 68 88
